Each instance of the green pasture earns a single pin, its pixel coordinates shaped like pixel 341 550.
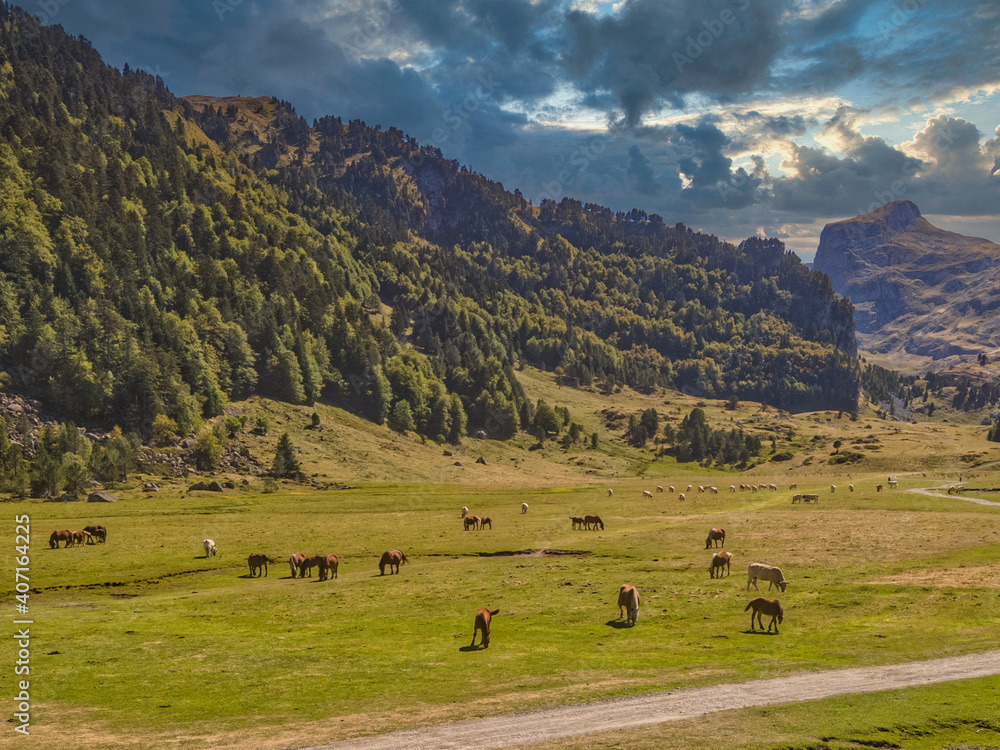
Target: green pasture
pixel 143 640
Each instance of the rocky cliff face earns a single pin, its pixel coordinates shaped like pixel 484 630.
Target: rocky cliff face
pixel 917 290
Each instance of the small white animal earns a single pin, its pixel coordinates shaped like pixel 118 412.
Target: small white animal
pixel 210 548
pixel 524 507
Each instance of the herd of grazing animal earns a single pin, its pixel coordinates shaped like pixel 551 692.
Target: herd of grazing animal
pixel 86 535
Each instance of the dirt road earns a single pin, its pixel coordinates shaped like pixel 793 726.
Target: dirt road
pixel 935 492
pixel 630 713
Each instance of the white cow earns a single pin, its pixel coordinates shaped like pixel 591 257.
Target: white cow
pixel 465 511
pixel 850 488
pixel 732 488
pixel 893 484
pixel 689 488
pixel 681 497
pixel 672 488
pixel 647 493
pixel 759 572
pixel 210 549
pixel 610 492
pixel 524 507
pixel 833 488
pixel 714 490
pixel 659 488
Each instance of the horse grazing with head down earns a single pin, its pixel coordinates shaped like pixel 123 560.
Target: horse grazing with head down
pixel 80 537
pixel 295 561
pixel 210 548
pixel 60 536
pixel 628 604
pixel 593 521
pixel 308 563
pixel 716 535
pixel 482 625
pixel 97 532
pixel 770 607
pixel 393 558
pixel 257 562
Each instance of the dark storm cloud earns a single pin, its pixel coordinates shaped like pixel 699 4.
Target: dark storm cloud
pixel 640 172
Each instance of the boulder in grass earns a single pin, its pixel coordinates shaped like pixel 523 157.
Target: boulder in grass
pixel 199 487
pixel 216 487
pixel 102 497
pixel 481 460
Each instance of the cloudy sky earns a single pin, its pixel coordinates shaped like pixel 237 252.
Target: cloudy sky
pixel 733 116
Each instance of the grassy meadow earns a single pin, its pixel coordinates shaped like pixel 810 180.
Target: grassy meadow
pixel 144 642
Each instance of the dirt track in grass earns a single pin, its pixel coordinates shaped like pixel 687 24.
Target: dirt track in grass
pixel 631 713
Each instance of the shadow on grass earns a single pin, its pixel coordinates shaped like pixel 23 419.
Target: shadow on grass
pixel 618 624
pixel 758 632
pixel 471 648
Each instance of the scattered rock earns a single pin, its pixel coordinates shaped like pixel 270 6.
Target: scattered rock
pixel 447 453
pixel 481 460
pixel 216 487
pixel 199 487
pixel 458 463
pixel 102 497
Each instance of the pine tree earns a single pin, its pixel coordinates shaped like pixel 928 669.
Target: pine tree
pixel 285 462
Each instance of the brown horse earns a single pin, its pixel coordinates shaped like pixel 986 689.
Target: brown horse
pixel 716 535
pixel 330 564
pixel 720 560
pixel 80 537
pixel 60 536
pixel 308 563
pixel 484 522
pixel 96 532
pixel 393 558
pixel 482 623
pixel 295 561
pixel 628 603
pixel 577 521
pixel 258 562
pixel 472 521
pixel 771 607
pixel 594 521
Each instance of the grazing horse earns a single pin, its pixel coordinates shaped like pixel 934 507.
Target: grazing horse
pixel 80 537
pixel 308 563
pixel 210 548
pixel 482 624
pixel 716 535
pixel 257 562
pixel 330 564
pixel 97 532
pixel 472 521
pixel 771 607
pixel 628 604
pixel 577 521
pixel 524 507
pixel 484 522
pixel 594 521
pixel 295 561
pixel 720 560
pixel 60 536
pixel 393 558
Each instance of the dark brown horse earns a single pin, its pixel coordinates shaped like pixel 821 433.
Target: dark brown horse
pixel 577 521
pixel 771 607
pixel 258 562
pixel 472 521
pixel 594 521
pixel 716 535
pixel 308 563
pixel 60 536
pixel 393 558
pixel 96 532
pixel 295 561
pixel 329 565
pixel 482 624
pixel 484 522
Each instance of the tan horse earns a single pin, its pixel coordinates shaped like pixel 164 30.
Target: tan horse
pixel 628 603
pixel 60 536
pixel 80 537
pixel 258 562
pixel 770 607
pixel 393 558
pixel 330 564
pixel 295 561
pixel 484 522
pixel 482 624
pixel 720 560
pixel 716 535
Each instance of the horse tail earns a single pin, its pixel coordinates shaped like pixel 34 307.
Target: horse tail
pixel 748 606
pixel 494 612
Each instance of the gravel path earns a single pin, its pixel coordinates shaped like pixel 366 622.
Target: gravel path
pixel 933 492
pixel 630 713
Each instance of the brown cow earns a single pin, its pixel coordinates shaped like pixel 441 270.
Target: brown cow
pixel 720 560
pixel 60 536
pixel 482 624
pixel 628 604
pixel 330 564
pixel 393 558
pixel 295 561
pixel 770 607
pixel 715 535
pixel 257 562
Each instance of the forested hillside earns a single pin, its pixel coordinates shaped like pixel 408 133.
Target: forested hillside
pixel 161 256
